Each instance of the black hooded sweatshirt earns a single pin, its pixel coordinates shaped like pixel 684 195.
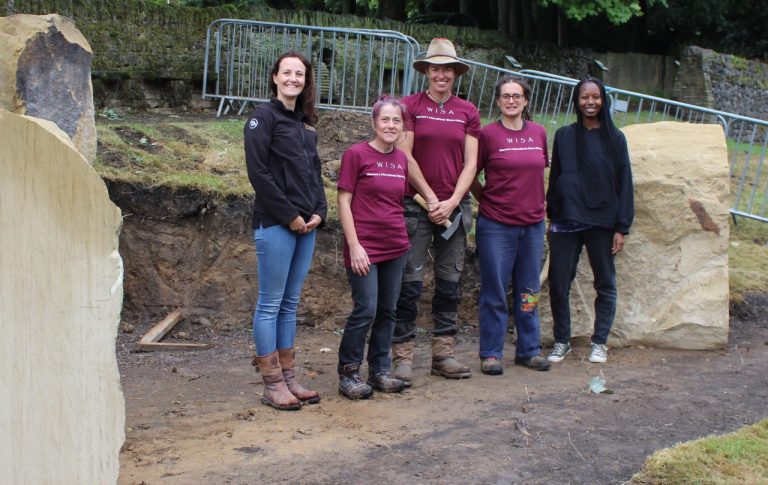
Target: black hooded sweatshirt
pixel 283 166
pixel 597 192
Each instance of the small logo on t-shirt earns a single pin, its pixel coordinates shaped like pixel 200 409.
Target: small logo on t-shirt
pixel 253 123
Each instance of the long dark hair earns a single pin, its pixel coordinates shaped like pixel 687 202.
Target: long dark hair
pixel 608 130
pixel 305 100
pixel 509 78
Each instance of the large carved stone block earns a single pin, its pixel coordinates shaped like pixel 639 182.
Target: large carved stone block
pixel 61 408
pixel 45 72
pixel 673 273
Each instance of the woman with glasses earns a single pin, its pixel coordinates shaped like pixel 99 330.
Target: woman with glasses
pixel 510 227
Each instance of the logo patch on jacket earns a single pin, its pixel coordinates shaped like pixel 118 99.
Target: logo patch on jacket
pixel 253 123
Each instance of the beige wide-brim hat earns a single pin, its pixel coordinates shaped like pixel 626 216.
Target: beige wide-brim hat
pixel 441 51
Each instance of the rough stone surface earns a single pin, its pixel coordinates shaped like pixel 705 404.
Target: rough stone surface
pixel 673 273
pixel 46 73
pixel 61 408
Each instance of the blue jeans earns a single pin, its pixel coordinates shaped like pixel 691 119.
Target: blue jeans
pixel 284 259
pixel 564 251
pixel 375 298
pixel 509 253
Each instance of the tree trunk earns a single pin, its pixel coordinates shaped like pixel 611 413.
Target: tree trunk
pixel 348 6
pixel 527 20
pixel 392 9
pixel 464 6
pixel 504 16
pixel 11 7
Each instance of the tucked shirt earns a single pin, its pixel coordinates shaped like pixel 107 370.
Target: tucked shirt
pixel 283 166
pixel 514 163
pixel 377 182
pixel 438 138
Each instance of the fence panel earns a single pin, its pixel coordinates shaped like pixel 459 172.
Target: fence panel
pixel 352 67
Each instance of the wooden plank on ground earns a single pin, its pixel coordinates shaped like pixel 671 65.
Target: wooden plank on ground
pixel 158 331
pixel 155 346
pixel 150 341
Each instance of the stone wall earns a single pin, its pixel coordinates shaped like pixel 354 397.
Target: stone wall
pixel 739 85
pixel 643 73
pixel 151 55
pixel 723 82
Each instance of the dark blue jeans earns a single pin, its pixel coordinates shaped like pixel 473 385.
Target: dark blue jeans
pixel 375 298
pixel 564 251
pixel 509 253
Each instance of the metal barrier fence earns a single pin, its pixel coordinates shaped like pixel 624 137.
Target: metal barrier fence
pixel 352 67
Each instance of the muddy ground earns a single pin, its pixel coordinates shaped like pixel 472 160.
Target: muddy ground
pixel 195 417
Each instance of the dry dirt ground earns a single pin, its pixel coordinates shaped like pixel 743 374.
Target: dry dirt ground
pixel 195 417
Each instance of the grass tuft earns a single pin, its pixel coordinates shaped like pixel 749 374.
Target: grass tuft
pixel 734 458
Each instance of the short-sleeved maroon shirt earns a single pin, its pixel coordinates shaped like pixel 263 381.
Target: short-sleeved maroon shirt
pixel 377 182
pixel 438 138
pixel 514 163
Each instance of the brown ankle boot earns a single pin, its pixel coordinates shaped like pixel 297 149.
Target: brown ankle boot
pixel 287 359
pixel 402 362
pixel 443 362
pixel 276 394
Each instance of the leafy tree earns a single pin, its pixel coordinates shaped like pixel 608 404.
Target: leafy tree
pixel 616 11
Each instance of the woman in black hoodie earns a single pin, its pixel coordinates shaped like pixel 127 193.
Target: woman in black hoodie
pixel 589 203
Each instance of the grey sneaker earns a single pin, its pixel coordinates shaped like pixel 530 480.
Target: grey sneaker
pixel 599 354
pixel 559 352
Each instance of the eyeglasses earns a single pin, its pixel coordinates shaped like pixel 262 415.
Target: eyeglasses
pixel 507 97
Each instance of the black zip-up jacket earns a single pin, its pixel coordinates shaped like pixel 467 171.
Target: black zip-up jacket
pixel 283 166
pixel 599 192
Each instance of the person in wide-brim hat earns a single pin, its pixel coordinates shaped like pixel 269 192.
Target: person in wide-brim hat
pixel 441 51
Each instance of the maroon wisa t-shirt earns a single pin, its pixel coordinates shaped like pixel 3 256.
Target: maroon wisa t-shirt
pixel 514 163
pixel 377 182
pixel 438 138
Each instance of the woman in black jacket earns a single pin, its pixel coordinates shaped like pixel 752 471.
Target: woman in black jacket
pixel 284 170
pixel 589 203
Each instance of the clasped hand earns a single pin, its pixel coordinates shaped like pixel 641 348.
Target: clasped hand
pixel 440 211
pixel 300 226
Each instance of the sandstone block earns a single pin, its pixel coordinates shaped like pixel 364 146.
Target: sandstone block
pixel 61 408
pixel 45 72
pixel 673 273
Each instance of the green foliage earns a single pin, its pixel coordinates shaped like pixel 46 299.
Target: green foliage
pixel 740 457
pixel 723 25
pixel 616 11
pixel 219 3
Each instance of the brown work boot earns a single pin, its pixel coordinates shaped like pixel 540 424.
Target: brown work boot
pixel 287 358
pixel 443 362
pixel 276 394
pixel 402 362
